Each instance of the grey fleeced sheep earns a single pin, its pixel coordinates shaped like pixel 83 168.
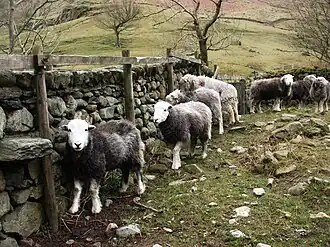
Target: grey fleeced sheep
pixel 268 89
pixel 320 94
pixel 228 93
pixel 184 123
pixel 300 90
pixel 91 151
pixel 208 96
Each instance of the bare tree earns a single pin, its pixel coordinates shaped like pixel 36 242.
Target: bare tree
pixel 312 25
pixel 119 15
pixel 29 22
pixel 201 25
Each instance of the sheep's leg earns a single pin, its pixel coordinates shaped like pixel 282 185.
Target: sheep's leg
pixel 192 147
pixel 252 106
pixel 141 186
pixel 124 180
pixel 299 104
pixel 176 156
pixel 277 103
pixel 96 202
pixel 231 115
pixel 259 107
pixel 205 141
pixel 76 199
pixel 321 106
pixel 220 120
pixel 316 107
pixel 235 106
pixel 326 108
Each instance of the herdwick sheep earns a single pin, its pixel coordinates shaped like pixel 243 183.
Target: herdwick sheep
pixel 320 94
pixel 184 124
pixel 208 96
pixel 228 93
pixel 92 151
pixel 267 89
pixel 300 90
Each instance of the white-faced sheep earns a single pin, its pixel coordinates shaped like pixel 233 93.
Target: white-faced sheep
pixel 300 90
pixel 268 89
pixel 320 94
pixel 208 96
pixel 91 151
pixel 228 93
pixel 182 124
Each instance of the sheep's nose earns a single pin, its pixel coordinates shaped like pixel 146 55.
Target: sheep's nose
pixel 77 144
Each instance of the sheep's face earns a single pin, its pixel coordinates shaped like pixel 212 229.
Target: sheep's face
pixel 189 83
pixel 287 80
pixel 174 97
pixel 309 78
pixel 161 112
pixel 78 134
pixel 319 83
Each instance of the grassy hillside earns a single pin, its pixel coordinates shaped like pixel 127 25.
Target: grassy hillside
pixel 262 47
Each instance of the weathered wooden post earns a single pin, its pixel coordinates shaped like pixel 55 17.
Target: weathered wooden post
pixel 170 81
pixel 128 89
pixel 215 71
pixel 49 188
pixel 241 94
pixel 199 65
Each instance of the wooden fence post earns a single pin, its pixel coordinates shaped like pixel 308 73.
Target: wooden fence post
pixel 215 71
pixel 199 66
pixel 170 81
pixel 241 94
pixel 49 188
pixel 128 89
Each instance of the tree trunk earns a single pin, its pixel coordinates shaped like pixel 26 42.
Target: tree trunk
pixel 117 39
pixel 11 26
pixel 203 51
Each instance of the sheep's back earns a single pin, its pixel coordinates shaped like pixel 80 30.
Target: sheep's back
pixel 266 89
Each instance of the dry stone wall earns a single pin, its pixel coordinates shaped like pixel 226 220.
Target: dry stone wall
pixel 96 96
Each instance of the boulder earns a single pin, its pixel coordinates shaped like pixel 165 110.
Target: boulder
pixel 24 148
pixel 8 242
pixel 19 121
pixel 4 203
pixel 10 93
pixel 126 231
pixel 107 113
pixel 3 121
pixel 20 196
pixel 56 106
pixel 2 181
pixel 24 220
pixel 285 170
pixel 34 169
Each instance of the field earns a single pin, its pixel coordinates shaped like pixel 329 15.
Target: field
pixel 198 211
pixel 262 48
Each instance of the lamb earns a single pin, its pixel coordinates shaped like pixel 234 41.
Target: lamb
pixel 92 151
pixel 205 95
pixel 228 93
pixel 320 94
pixel 184 124
pixel 300 90
pixel 267 89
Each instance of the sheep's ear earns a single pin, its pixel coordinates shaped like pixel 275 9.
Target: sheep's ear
pixel 64 127
pixel 91 127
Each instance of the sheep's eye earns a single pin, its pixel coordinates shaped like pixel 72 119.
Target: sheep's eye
pixel 69 130
pixel 86 129
pixel 164 109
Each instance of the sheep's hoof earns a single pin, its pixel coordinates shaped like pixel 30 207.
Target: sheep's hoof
pixel 73 210
pixel 96 209
pixel 176 166
pixel 141 189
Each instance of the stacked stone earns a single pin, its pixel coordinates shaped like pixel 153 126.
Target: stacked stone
pixel 96 96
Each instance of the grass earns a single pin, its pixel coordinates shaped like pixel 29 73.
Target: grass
pixel 195 223
pixel 262 47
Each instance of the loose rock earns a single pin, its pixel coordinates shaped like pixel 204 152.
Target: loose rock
pixel 243 211
pixel 285 170
pixel 110 228
pixel 258 191
pixel 237 234
pixel 8 242
pixel 319 215
pixel 298 189
pixel 127 231
pixel 263 245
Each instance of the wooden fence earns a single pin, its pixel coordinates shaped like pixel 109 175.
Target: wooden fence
pixel 39 62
